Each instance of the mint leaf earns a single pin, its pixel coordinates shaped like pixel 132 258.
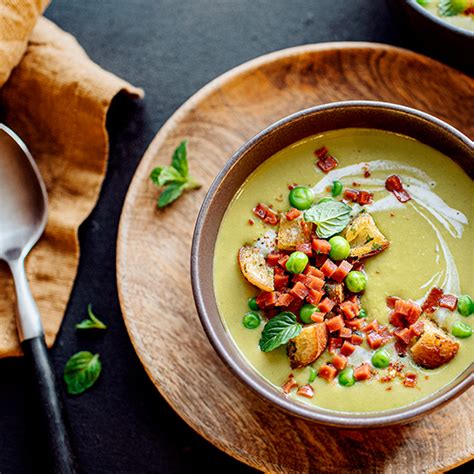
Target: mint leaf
pixel 180 161
pixel 81 372
pixel 92 323
pixel 155 174
pixel 452 7
pixel 331 217
pixel 170 194
pixel 278 331
pixel 169 175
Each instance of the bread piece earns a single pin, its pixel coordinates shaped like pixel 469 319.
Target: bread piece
pixel 364 237
pixel 434 347
pixel 255 268
pixel 308 345
pixel 291 233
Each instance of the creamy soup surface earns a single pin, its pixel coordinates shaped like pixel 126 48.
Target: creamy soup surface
pixel 431 244
pixel 462 20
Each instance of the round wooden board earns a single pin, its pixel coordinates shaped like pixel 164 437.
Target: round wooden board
pixel 154 247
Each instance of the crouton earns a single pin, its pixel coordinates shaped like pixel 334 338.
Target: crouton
pixel 434 347
pixel 308 345
pixel 291 233
pixel 364 237
pixel 255 268
pixel 335 291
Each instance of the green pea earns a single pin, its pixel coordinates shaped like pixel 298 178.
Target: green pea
pixel 346 377
pixel 301 197
pixel 251 320
pixel 356 281
pixel 253 304
pixel 461 329
pixel 297 262
pixel 362 313
pixel 465 305
pixel 340 248
pixel 326 199
pixel 306 311
pixel 381 359
pixel 336 188
pixel 312 374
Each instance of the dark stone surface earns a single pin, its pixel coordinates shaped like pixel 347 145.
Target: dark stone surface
pixel 170 48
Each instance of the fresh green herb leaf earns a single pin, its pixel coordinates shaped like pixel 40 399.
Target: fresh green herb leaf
pixel 452 7
pixel 376 246
pixel 278 331
pixel 81 372
pixel 331 217
pixel 424 3
pixel 175 178
pixel 92 323
pixel 170 194
pixel 368 240
pixel 180 161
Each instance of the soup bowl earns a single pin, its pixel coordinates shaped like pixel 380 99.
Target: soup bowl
pixel 341 115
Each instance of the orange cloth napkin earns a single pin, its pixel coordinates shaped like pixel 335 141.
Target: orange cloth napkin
pixel 56 99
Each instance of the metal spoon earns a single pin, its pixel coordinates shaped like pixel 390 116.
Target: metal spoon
pixel 23 217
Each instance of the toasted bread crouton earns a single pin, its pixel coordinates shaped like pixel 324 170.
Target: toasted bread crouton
pixel 291 233
pixel 364 237
pixel 335 292
pixel 434 347
pixel 308 345
pixel 255 268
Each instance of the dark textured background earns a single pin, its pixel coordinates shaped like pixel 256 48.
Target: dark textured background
pixel 170 48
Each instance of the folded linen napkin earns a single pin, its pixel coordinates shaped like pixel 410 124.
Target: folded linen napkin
pixel 56 99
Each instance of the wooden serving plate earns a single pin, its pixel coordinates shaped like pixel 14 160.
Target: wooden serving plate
pixel 154 250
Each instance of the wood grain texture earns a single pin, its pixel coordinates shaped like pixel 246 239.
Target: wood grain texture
pixel 154 251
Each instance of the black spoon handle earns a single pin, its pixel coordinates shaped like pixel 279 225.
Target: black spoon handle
pixel 36 352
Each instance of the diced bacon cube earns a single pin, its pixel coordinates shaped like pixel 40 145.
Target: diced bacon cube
pixel 292 214
pixel 327 163
pixel 372 326
pixel 374 340
pixel 299 291
pixel 285 299
pixel 357 339
pixel 310 270
pixel 351 195
pixel 401 348
pixel 321 152
pixel 339 361
pixel 410 379
pixel 328 268
pixel 327 305
pixel 402 307
pixel 347 348
pixel 314 283
pixel 349 309
pixel 299 277
pixel 385 334
pixel 342 270
pixel 355 324
pixel 273 257
pixel 391 300
pixel 417 328
pixel 334 343
pixel 345 333
pixel 280 281
pixel 397 319
pixel 393 183
pixel 314 297
pixel 414 312
pixel 271 218
pixel 432 301
pixel 305 247
pixel 321 246
pixel 260 210
pixel 317 317
pixel 362 372
pixel 327 372
pixel 267 299
pixel 305 391
pixel 405 335
pixel 365 198
pixel 448 301
pixel 282 261
pixel 320 260
pixel 289 385
pixel 335 324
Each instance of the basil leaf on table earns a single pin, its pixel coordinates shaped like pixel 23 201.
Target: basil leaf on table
pixel 175 178
pixel 278 331
pixel 92 323
pixel 81 372
pixel 331 217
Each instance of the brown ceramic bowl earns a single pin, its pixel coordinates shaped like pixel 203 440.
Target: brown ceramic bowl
pixel 366 114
